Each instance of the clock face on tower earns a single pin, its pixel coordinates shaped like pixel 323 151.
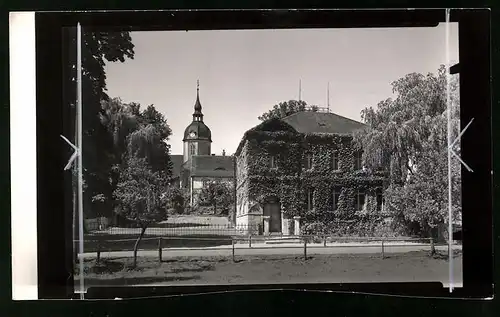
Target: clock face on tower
pixel 192 134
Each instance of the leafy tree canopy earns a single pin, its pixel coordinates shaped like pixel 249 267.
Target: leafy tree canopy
pixel 284 109
pixel 217 194
pixel 408 137
pixel 140 190
pixel 98 48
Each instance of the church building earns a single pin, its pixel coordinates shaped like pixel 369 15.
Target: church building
pixel 197 165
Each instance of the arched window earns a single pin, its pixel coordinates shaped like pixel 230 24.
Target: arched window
pixel 192 149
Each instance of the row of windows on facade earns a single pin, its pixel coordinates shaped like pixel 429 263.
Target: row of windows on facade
pixel 359 203
pixel 308 161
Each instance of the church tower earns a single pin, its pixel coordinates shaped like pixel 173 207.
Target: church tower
pixel 197 136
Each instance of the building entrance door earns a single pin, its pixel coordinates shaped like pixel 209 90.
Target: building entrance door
pixel 272 208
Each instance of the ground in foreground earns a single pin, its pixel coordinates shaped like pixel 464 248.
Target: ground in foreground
pixel 358 268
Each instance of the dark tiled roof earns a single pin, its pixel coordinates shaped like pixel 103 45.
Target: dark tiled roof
pixel 309 122
pixel 201 130
pixel 177 161
pixel 322 122
pixel 273 124
pixel 212 166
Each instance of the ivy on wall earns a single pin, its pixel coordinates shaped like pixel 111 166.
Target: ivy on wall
pixel 289 181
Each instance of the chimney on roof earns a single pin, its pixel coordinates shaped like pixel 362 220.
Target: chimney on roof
pixel 223 152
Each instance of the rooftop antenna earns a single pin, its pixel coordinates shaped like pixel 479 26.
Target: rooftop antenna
pixel 300 90
pixel 328 97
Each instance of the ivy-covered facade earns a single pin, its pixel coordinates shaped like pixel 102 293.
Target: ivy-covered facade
pixel 297 167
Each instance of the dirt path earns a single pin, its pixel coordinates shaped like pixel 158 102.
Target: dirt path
pixel 269 250
pixel 360 268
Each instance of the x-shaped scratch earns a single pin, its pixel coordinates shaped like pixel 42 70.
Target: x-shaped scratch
pixel 73 157
pixel 450 148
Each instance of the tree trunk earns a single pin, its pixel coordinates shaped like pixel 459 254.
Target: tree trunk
pixel 143 230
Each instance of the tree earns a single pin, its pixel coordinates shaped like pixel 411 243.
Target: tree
pixel 97 49
pixel 119 120
pixel 216 193
pixel 407 138
pixel 177 199
pixel 423 200
pixel 139 190
pixel 145 168
pixel 147 132
pixel 284 109
pixel 155 144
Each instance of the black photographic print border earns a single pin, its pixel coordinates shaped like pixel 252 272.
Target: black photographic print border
pixel 55 254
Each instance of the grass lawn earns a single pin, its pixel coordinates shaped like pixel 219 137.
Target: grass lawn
pixel 405 267
pixel 111 242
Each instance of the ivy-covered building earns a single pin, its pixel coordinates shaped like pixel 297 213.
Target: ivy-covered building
pixel 305 170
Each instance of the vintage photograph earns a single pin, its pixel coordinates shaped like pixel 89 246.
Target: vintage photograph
pixel 268 156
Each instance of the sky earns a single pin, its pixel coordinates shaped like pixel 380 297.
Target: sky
pixel 244 73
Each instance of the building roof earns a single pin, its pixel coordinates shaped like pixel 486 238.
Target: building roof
pixel 200 130
pixel 322 122
pixel 212 166
pixel 308 122
pixel 177 161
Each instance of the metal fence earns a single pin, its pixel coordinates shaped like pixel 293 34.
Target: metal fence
pixel 301 244
pixel 186 229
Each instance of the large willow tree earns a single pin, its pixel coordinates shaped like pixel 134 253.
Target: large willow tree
pixel 98 48
pixel 408 138
pixel 142 168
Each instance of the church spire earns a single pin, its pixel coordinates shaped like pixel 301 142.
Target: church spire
pixel 197 115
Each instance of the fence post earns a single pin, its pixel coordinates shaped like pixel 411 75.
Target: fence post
pixel 159 250
pixel 250 241
pixel 232 242
pixel 433 248
pixel 383 253
pixel 98 252
pixel 305 248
